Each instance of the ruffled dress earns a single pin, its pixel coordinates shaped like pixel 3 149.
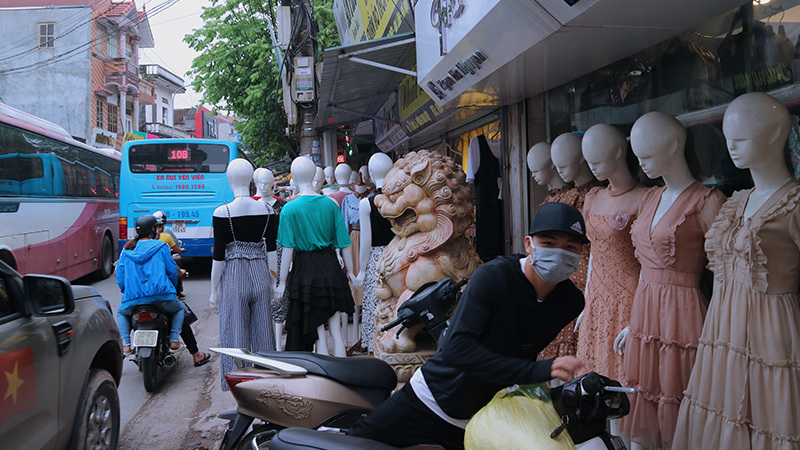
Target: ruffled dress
pixel 613 278
pixel 566 343
pixel 668 310
pixel 744 391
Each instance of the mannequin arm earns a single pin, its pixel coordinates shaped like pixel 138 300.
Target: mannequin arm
pixel 286 262
pixel 347 255
pixel 366 241
pixel 216 280
pixel 272 265
pixel 621 339
pixel 585 292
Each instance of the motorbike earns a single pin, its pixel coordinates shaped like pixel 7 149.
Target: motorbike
pixel 150 344
pixel 303 389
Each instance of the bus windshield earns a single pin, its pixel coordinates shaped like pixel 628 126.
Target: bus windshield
pixel 184 157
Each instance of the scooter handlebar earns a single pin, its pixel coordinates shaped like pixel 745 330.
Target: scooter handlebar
pixel 392 324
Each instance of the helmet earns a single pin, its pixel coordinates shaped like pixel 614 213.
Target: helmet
pixel 144 225
pixel 161 218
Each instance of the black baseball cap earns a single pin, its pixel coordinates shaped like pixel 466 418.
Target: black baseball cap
pixel 559 217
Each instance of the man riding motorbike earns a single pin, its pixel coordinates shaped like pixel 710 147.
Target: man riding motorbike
pixel 146 273
pixel 510 310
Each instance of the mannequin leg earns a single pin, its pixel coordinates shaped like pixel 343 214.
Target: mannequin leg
pixel 343 318
pixel 357 324
pixel 336 332
pixel 279 336
pixel 322 340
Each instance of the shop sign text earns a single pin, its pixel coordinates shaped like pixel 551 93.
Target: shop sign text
pixel 463 68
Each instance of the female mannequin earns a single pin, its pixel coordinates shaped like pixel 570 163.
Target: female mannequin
pixel 264 189
pixel 376 233
pixel 365 178
pixel 565 152
pixel 330 179
pixel 240 271
pixel 311 227
pixel 668 307
pixel 318 180
pixel 613 269
pixel 743 391
pixel 544 172
pixel 342 174
pixel 350 213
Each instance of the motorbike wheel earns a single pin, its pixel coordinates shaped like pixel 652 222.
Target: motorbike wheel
pixel 97 419
pixel 262 433
pixel 149 368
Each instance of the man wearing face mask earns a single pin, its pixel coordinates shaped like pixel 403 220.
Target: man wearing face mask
pixel 510 310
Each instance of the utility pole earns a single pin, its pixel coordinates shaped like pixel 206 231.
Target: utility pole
pixel 304 86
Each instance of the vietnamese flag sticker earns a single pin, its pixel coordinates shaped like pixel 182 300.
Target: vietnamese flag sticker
pixel 17 383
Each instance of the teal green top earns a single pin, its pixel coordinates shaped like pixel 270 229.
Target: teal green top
pixel 312 222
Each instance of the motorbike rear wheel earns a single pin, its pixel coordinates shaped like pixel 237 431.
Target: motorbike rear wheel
pixel 264 433
pixel 150 368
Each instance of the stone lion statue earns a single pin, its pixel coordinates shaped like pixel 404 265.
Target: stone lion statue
pixel 429 204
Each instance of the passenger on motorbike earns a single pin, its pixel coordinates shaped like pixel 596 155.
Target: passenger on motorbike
pixel 510 310
pixel 146 273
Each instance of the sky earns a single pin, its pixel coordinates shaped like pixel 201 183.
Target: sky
pixel 170 22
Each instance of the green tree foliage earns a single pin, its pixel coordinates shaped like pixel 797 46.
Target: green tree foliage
pixel 238 71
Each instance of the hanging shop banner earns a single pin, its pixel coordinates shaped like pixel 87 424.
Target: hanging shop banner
pixel 134 136
pixel 467 49
pixel 364 20
pixel 417 110
pixel 388 133
pixel 348 21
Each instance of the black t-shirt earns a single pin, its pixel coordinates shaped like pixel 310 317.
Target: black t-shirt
pixel 494 336
pixel 247 229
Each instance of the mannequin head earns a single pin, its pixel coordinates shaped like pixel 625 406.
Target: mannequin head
pixel 263 179
pixel 364 172
pixel 658 141
pixel 756 127
pixel 603 147
pixel 541 167
pixel 568 159
pixel 240 173
pixel 342 175
pixel 353 179
pixel 303 170
pixel 319 180
pixel 329 174
pixel 379 166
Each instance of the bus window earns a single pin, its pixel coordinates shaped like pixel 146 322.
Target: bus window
pixel 179 158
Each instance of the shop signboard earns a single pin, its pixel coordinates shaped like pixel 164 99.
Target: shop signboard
pixel 103 138
pixel 417 110
pixel 388 133
pixel 348 21
pixel 468 47
pixel 134 136
pixel 364 20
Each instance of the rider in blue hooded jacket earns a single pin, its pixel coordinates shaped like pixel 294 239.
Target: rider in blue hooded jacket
pixel 146 273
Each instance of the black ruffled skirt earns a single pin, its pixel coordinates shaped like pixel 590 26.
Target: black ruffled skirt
pixel 317 288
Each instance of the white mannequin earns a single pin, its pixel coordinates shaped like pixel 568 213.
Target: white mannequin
pixel 330 179
pixel 379 166
pixel 240 172
pixel 756 127
pixel 317 182
pixel 365 178
pixel 342 174
pixel 264 180
pixel 303 172
pixel 542 168
pixel 353 181
pixel 567 157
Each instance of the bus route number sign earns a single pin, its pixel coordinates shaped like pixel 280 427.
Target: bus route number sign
pixel 179 154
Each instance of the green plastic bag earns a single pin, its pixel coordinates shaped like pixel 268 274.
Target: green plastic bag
pixel 519 417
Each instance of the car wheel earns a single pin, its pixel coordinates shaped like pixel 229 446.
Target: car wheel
pixel 97 422
pixel 106 260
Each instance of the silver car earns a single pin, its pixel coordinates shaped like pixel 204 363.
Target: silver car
pixel 60 364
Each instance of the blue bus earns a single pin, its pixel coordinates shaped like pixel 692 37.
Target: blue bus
pixel 185 178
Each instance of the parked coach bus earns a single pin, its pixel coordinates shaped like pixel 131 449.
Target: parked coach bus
pixel 185 178
pixel 58 199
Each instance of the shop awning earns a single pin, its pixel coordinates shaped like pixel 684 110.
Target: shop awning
pixel 357 79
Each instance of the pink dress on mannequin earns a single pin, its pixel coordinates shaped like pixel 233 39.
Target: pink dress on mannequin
pixel 668 310
pixel 744 391
pixel 613 277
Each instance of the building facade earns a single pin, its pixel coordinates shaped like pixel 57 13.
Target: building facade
pixel 157 101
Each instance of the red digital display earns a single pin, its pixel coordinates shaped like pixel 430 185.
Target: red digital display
pixel 179 154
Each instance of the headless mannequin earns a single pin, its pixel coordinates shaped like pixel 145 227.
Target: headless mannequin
pixel 542 168
pixel 264 180
pixel 379 166
pixel 330 187
pixel 303 172
pixel 568 160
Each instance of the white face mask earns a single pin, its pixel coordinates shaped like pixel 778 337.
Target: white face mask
pixel 554 265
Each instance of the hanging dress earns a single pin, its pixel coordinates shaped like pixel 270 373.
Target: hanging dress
pixel 744 391
pixel 244 307
pixel 668 310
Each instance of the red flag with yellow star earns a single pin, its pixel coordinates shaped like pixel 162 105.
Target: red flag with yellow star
pixel 17 383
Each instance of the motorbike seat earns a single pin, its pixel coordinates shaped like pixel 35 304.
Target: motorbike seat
pixel 303 438
pixel 354 371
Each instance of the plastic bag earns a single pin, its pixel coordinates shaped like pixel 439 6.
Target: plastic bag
pixel 519 417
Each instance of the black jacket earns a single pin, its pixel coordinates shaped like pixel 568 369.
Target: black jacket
pixel 494 336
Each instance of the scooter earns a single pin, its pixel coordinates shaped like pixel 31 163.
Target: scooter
pixel 150 343
pixel 303 389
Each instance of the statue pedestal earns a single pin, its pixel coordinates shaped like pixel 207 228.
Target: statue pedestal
pixel 404 364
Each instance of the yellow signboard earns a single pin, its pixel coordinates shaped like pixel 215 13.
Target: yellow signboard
pixel 383 17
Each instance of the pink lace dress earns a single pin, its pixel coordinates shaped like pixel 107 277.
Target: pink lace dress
pixel 744 391
pixel 668 310
pixel 613 277
pixel 566 343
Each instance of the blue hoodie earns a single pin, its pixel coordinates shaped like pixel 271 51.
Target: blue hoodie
pixel 146 274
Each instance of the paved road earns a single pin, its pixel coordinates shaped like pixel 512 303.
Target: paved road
pixel 182 413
